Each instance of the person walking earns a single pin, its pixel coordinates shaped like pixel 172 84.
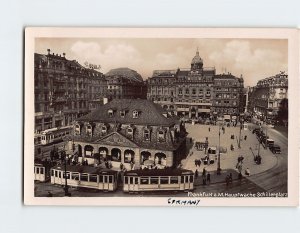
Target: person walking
pixel 208 178
pixel 247 172
pixel 245 137
pixel 208 129
pixel 196 174
pixel 204 176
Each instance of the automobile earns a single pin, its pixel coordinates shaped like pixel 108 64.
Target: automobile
pixel 275 149
pixel 256 130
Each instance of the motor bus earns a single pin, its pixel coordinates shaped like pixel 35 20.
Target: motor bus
pixel 167 179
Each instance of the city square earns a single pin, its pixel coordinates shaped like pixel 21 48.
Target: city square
pixel 172 132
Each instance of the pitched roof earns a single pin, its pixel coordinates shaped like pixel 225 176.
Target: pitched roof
pixel 149 113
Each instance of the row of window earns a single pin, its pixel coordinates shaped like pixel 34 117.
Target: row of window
pixel 159 180
pixel 161 135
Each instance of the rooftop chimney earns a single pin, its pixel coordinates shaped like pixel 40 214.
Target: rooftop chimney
pixel 48 50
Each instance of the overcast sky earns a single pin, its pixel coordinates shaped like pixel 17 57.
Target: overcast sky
pixel 253 58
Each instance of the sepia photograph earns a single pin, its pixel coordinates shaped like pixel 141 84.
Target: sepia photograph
pixel 170 117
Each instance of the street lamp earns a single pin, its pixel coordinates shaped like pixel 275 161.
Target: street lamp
pixel 66 188
pixel 219 155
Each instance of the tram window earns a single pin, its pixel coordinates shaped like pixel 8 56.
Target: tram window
pixel 75 176
pixel 131 180
pixel 154 180
pixel 52 173
pixel 93 178
pixel 186 179
pixel 126 180
pixel 68 175
pixel 101 179
pixel 136 180
pixel 174 180
pixel 59 174
pixel 56 174
pixel 110 179
pixel 37 170
pixel 191 178
pixel 182 179
pixel 164 180
pixel 144 180
pixel 42 170
pixel 84 177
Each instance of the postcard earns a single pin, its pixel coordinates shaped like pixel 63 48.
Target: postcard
pixel 186 117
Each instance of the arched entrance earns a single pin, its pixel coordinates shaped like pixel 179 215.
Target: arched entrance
pixel 145 155
pixel 88 150
pixel 128 156
pixel 116 155
pixel 160 158
pixel 103 151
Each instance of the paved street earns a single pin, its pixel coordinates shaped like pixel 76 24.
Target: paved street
pixel 270 176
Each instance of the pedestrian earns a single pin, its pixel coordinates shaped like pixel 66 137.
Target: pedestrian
pixel 227 180
pixel 245 137
pixel 196 162
pixel 204 179
pixel 204 172
pixel 196 174
pixel 49 194
pixel 230 178
pixel 247 172
pixel 208 178
pixel 199 162
pixel 121 166
pixel 208 129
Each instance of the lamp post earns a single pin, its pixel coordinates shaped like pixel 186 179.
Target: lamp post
pixel 64 157
pixel 219 155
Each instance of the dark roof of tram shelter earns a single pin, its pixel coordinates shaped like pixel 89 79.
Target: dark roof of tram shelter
pixel 149 113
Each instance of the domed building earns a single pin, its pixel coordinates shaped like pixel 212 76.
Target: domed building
pixel 197 62
pixel 125 83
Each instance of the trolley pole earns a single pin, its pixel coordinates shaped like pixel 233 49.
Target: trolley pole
pixel 66 188
pixel 219 156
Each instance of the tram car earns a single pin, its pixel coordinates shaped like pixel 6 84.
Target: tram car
pixel 39 172
pixel 85 177
pixel 158 180
pixel 53 135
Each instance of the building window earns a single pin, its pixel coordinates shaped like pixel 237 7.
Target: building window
pixel 187 91
pixel 135 114
pixel 122 113
pixel 130 132
pixel 161 136
pixel 110 112
pixel 104 129
pixel 194 91
pixel 77 129
pixel 89 130
pixel 180 91
pixel 147 135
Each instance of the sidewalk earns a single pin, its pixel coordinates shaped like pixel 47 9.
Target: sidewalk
pixel 214 178
pixel 228 160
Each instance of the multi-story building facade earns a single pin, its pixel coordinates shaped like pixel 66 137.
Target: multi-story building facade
pixel 125 83
pixel 130 131
pixel 266 98
pixel 64 90
pixel 196 92
pixel 228 96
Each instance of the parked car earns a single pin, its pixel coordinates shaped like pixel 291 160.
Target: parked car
pixel 275 149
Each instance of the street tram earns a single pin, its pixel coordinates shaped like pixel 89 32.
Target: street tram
pixel 39 172
pixel 53 135
pixel 85 177
pixel 158 180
